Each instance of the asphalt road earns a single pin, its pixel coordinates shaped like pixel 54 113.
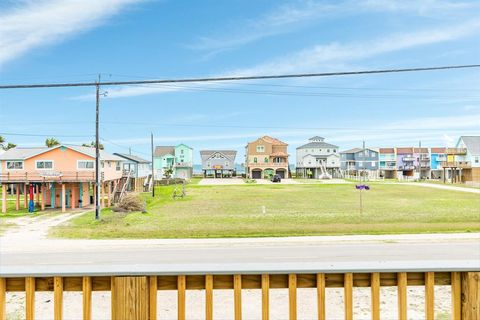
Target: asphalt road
pixel 249 257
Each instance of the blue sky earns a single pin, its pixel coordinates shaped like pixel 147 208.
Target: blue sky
pixel 60 41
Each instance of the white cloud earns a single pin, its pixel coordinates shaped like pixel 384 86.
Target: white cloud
pixel 321 56
pixel 289 17
pixel 32 24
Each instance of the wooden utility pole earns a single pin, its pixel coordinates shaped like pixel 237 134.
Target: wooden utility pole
pixel 153 167
pixel 97 151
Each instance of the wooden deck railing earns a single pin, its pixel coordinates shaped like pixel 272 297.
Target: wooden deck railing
pixel 47 176
pixel 135 297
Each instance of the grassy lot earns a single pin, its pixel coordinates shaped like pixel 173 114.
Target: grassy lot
pixel 290 210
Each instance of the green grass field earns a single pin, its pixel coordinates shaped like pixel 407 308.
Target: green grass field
pixel 286 210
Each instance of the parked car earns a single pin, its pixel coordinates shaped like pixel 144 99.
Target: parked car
pixel 276 178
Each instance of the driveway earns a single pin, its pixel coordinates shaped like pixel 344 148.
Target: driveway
pixel 444 187
pixel 221 181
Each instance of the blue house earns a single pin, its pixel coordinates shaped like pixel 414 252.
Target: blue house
pixel 358 160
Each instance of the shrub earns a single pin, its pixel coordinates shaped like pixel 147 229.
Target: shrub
pixel 131 202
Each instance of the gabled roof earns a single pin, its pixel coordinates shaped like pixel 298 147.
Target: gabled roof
pixel 316 138
pixel 405 150
pixel 319 144
pixel 437 150
pixel 132 158
pixel 472 143
pixel 19 153
pixel 420 150
pixel 273 141
pixel 230 154
pixel 356 150
pixel 387 150
pixel 183 144
pixel 161 151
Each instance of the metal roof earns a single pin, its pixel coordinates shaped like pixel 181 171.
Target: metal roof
pixel 231 154
pixel 472 143
pixel 132 158
pixel 160 151
pixel 19 153
pixel 317 145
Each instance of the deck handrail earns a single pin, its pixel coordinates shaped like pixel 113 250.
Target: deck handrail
pixel 134 296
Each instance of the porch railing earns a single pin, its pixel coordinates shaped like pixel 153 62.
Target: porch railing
pixel 135 296
pixel 47 176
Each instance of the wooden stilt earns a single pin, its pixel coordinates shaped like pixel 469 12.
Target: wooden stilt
pixel 63 198
pixel 25 195
pixel 109 193
pixel 43 191
pixel 4 198
pixel 17 199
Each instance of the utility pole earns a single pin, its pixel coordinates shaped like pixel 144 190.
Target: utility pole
pixel 153 167
pixel 97 151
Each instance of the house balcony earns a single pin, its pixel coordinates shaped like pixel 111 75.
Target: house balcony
pixel 388 167
pixel 406 167
pixel 408 158
pixel 47 176
pixel 456 151
pixel 183 164
pixel 268 165
pixel 456 164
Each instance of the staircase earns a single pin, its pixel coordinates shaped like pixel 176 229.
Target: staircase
pixel 122 186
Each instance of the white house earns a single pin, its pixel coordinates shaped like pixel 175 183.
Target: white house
pixel 317 159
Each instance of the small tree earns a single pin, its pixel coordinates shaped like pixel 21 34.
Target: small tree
pixel 168 172
pixel 51 142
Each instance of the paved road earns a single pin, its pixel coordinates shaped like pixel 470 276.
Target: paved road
pixel 252 257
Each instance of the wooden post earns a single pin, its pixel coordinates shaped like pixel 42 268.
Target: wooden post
pixel 43 191
pixel 208 297
pixel 63 198
pixel 321 296
pixel 102 190
pixel 375 287
pixel 4 198
pixel 348 295
pixel 292 296
pixel 17 199
pixel 456 289
pixel 58 298
pixel 37 193
pixel 3 295
pixel 73 190
pixel 402 295
pixel 130 298
pixel 265 297
pixel 153 288
pixel 87 298
pixel 25 195
pixel 237 296
pixel 29 298
pixel 181 286
pixel 109 193
pixel 471 295
pixel 429 295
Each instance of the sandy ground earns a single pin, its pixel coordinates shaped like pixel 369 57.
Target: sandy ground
pixel 218 182
pixel 251 304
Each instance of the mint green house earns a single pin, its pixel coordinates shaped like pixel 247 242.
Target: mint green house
pixel 177 158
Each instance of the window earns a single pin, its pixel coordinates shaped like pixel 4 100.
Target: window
pixel 255 160
pixel 109 164
pixel 44 164
pixel 334 150
pixel 328 150
pixel 265 160
pixel 181 151
pixel 476 159
pixel 260 148
pixel 208 164
pixel 373 163
pixel 227 163
pixel 85 164
pixel 14 165
pixel 360 163
pixel 117 167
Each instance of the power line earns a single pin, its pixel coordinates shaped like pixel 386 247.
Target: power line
pixel 44 135
pixel 232 78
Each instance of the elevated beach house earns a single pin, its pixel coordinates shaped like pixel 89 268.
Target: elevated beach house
pixel 317 158
pixel 218 163
pixel 265 157
pixel 138 169
pixel 465 158
pixel 387 163
pixel 360 162
pixel 177 159
pixel 58 177
pixel 437 157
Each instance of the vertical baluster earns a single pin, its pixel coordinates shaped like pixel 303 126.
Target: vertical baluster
pixel 181 286
pixel 153 291
pixel 402 295
pixel 321 295
pixel 3 296
pixel 209 297
pixel 456 295
pixel 375 285
pixel 237 296
pixel 265 297
pixel 87 298
pixel 292 295
pixel 429 295
pixel 30 298
pixel 348 293
pixel 58 298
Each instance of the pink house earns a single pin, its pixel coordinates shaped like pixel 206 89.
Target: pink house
pixel 59 177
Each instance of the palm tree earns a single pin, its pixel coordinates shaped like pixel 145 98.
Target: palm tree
pixel 51 142
pixel 10 146
pixel 2 141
